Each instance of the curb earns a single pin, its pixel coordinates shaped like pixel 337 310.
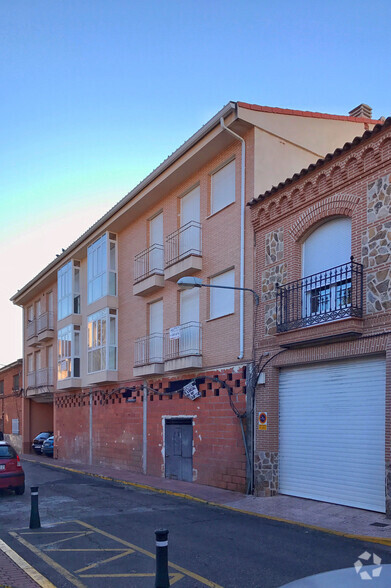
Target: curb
pixel 25 567
pixel 365 538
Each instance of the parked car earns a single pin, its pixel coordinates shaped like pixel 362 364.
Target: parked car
pixel 11 471
pixel 47 446
pixel 39 439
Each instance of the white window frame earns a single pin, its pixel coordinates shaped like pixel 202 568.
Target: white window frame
pixel 102 341
pixel 30 363
pixel 102 266
pixel 331 294
pixel 222 301
pixel 68 353
pixel 68 289
pixel 219 201
pixel 15 426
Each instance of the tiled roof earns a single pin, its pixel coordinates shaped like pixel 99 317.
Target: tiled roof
pixel 366 136
pixel 308 113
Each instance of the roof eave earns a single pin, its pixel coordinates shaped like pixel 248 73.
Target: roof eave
pixel 170 160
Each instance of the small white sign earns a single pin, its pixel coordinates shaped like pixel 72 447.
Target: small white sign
pixel 175 333
pixel 191 391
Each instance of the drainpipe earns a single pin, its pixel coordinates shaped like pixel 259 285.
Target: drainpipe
pixel 145 425
pixel 90 428
pixel 242 211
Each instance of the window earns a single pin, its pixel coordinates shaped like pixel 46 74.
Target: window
pixel 102 340
pixel 15 382
pixel 68 284
pixel 102 267
pixel 223 187
pixel 222 302
pixel 327 275
pixel 15 426
pixel 68 363
pixel 1 387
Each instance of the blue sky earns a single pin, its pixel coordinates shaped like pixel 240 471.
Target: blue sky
pixel 95 94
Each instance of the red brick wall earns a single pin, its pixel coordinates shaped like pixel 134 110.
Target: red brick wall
pixel 218 458
pixel 10 401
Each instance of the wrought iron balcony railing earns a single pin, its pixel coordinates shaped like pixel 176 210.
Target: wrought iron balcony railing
pixel 41 377
pixel 44 377
pixel 31 380
pixel 148 349
pixel 183 340
pixel 330 295
pixel 45 322
pixel 183 242
pixel 149 262
pixel 31 328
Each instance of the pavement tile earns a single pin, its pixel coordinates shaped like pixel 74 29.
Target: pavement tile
pixel 12 576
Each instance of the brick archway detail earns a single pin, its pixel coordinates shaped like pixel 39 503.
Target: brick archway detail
pixel 336 205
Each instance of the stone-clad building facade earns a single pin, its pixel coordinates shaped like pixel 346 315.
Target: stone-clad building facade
pixel 323 268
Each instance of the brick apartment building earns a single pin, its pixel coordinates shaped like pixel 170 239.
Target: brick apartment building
pixel 110 339
pixel 11 402
pixel 323 236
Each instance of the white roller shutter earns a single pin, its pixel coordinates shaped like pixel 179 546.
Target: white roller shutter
pixel 332 432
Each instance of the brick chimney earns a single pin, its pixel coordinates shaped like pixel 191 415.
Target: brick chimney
pixel 361 111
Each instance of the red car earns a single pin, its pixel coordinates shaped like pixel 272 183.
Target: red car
pixel 11 471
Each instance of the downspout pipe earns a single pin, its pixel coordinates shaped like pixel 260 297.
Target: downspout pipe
pixel 242 212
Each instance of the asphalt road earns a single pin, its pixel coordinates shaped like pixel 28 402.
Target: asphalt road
pixel 98 533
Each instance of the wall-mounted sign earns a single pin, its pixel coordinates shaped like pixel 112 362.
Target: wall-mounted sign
pixel 262 421
pixel 175 333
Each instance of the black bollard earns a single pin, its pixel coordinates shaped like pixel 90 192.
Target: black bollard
pixel 35 523
pixel 162 580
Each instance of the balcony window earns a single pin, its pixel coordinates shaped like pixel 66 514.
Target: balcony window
pixel 68 287
pixel 149 262
pixel 68 362
pixel 327 296
pixel 323 294
pixel 102 268
pixel 102 341
pixel 223 187
pixel 31 323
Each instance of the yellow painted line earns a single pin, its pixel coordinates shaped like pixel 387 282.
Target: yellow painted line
pixel 66 539
pixel 62 571
pixel 118 576
pixel 152 555
pixel 104 561
pixel 365 538
pixel 43 531
pixel 173 577
pixel 23 565
pixel 87 549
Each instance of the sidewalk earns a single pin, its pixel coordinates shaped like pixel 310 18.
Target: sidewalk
pixel 17 573
pixel 333 518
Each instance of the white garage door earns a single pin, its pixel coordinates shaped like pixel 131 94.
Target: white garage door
pixel 332 432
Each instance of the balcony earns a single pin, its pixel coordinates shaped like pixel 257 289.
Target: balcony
pixel 183 251
pixel 328 296
pixel 148 355
pixel 39 384
pixel 31 332
pixel 149 270
pixel 45 326
pixel 182 347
